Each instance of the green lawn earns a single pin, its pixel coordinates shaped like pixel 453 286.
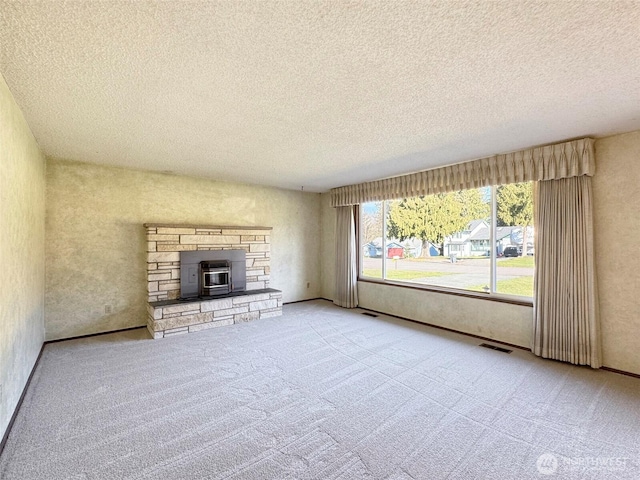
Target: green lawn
pixel 522 286
pixel 526 261
pixel 516 262
pixel 393 274
pixel 439 258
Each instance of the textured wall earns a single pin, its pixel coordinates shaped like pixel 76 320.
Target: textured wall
pixel 616 188
pixel 499 321
pixel 96 247
pixel 22 185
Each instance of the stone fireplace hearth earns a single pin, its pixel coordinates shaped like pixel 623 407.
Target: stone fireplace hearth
pixel 170 315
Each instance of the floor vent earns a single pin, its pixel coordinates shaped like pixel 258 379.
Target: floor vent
pixel 370 314
pixel 493 347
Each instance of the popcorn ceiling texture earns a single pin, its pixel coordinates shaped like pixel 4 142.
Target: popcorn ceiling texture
pixel 319 94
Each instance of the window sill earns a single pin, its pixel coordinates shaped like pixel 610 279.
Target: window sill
pixel 452 291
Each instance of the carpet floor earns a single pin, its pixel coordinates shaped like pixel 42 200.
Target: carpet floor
pixel 319 393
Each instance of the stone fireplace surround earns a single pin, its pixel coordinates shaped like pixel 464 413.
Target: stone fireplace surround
pixel 168 315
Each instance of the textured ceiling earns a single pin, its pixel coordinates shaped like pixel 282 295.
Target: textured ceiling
pixel 317 94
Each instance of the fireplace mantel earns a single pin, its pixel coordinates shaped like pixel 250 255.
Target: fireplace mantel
pixel 205 227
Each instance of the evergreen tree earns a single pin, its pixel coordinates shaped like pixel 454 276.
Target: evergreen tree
pixel 432 218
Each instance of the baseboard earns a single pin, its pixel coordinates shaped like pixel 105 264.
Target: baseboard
pixel 5 437
pixel 94 334
pixel 446 329
pixel 621 372
pixel 306 300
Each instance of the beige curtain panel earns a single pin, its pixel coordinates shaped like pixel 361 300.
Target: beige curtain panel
pixel 346 286
pixel 566 319
pixel 551 162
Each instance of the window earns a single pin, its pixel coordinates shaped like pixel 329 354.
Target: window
pixel 444 240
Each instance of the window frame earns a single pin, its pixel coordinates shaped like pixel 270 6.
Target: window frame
pixel 492 295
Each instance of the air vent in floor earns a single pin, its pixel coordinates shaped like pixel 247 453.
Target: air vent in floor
pixel 368 314
pixel 493 347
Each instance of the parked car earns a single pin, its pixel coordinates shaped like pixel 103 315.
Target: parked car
pixel 512 251
pixel 530 251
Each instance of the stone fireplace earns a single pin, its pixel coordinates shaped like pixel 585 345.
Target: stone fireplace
pixel 201 276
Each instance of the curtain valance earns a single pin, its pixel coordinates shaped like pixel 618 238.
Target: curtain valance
pixel 550 162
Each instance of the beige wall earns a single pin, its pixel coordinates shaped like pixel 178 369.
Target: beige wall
pixel 499 321
pixel 96 250
pixel 616 191
pixel 617 230
pixel 22 184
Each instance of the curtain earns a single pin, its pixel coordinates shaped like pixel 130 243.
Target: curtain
pixel 346 288
pixel 566 319
pixel 561 160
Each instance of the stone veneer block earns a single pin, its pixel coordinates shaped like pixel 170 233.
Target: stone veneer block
pixel 210 239
pixel 274 313
pixel 221 304
pixel 182 321
pixel 166 285
pixel 254 298
pixel 231 311
pixel 171 247
pixel 157 257
pixel 176 230
pixel 263 305
pixel 239 231
pixel 159 276
pixel 206 326
pixel 246 317
pixel 175 238
pixel 176 331
pixel 178 308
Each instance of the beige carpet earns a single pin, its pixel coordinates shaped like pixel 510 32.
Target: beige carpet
pixel 320 393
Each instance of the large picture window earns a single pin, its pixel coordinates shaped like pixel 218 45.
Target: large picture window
pixel 475 240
